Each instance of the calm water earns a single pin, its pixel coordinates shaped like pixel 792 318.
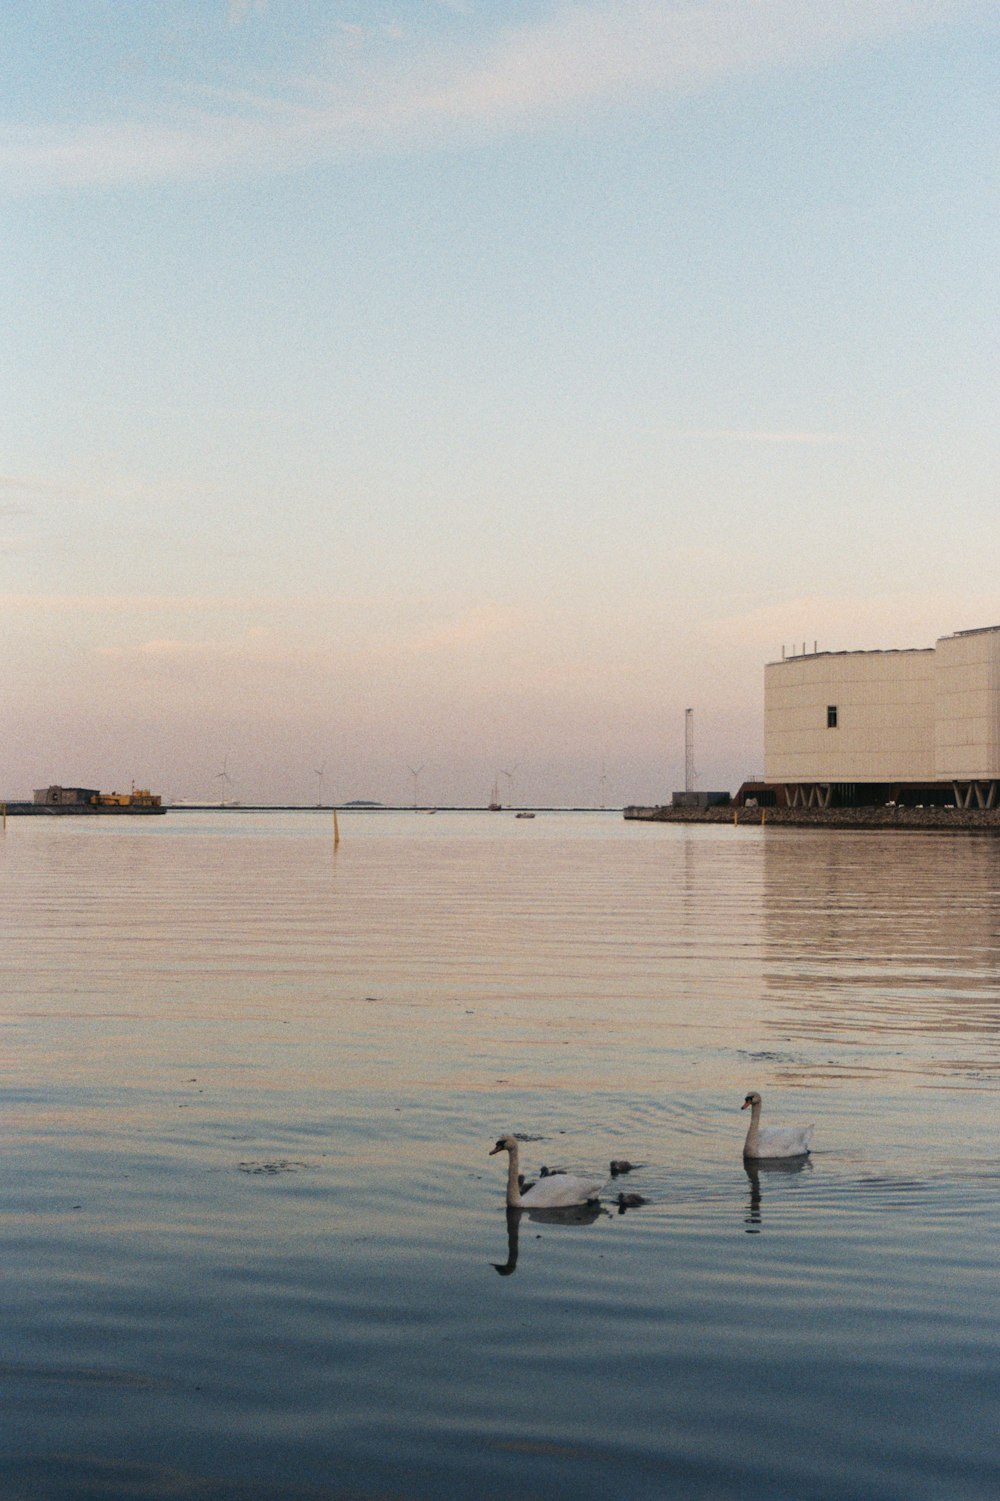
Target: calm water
pixel 253 1245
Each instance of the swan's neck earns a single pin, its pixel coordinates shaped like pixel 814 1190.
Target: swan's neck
pixel 750 1145
pixel 513 1188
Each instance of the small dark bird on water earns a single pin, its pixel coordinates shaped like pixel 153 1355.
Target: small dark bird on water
pixel 622 1165
pixel 630 1201
pixel 543 1172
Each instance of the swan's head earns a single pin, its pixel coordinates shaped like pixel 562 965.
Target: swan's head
pixel 504 1144
pixel 751 1099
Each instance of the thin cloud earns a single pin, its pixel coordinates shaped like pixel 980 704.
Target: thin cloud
pixel 853 623
pixel 755 435
pixel 581 57
pixel 469 630
pixel 239 11
pixel 34 487
pixel 172 649
pixel 308 605
pixel 119 491
pixel 127 604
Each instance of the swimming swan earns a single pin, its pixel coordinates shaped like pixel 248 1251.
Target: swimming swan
pixel 773 1141
pixel 556 1191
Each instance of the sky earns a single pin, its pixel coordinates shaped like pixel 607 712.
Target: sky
pixel 409 396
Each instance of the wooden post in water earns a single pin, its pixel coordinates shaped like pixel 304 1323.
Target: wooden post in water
pixel 336 829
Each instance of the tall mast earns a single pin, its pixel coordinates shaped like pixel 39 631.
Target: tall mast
pixel 690 775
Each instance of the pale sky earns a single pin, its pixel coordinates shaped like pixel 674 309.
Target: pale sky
pixel 472 385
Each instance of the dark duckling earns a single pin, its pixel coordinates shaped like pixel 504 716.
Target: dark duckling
pixel 630 1201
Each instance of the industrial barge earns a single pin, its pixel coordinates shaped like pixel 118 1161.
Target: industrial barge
pixel 87 802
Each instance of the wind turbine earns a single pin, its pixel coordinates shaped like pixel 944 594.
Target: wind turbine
pixel 510 782
pixel 320 770
pixel 224 777
pixel 415 774
pixel 604 782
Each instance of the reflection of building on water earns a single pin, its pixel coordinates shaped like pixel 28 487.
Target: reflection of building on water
pixel 754 1170
pixel 919 726
pixel 867 935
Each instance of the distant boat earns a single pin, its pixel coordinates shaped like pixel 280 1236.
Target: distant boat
pixel 524 815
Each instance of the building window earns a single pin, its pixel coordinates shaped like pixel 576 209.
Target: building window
pixel 831 716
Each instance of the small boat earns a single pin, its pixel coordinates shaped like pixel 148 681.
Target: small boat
pixel 524 815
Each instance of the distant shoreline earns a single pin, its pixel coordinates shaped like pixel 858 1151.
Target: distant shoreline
pixel 428 808
pixel 23 809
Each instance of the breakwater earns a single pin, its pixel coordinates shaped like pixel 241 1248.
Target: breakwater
pixel 951 820
pixel 78 810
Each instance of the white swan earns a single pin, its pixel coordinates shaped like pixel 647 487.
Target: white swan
pixel 773 1141
pixel 556 1191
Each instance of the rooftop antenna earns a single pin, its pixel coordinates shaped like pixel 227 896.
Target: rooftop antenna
pixel 415 774
pixel 320 772
pixel 510 783
pixel 690 775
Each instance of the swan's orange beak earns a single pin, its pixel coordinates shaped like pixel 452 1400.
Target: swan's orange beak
pixel 745 1104
pixel 494 1150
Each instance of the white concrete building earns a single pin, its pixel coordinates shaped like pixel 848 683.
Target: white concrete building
pixel 919 725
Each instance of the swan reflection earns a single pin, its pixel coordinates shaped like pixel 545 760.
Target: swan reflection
pixel 755 1169
pixel 578 1214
